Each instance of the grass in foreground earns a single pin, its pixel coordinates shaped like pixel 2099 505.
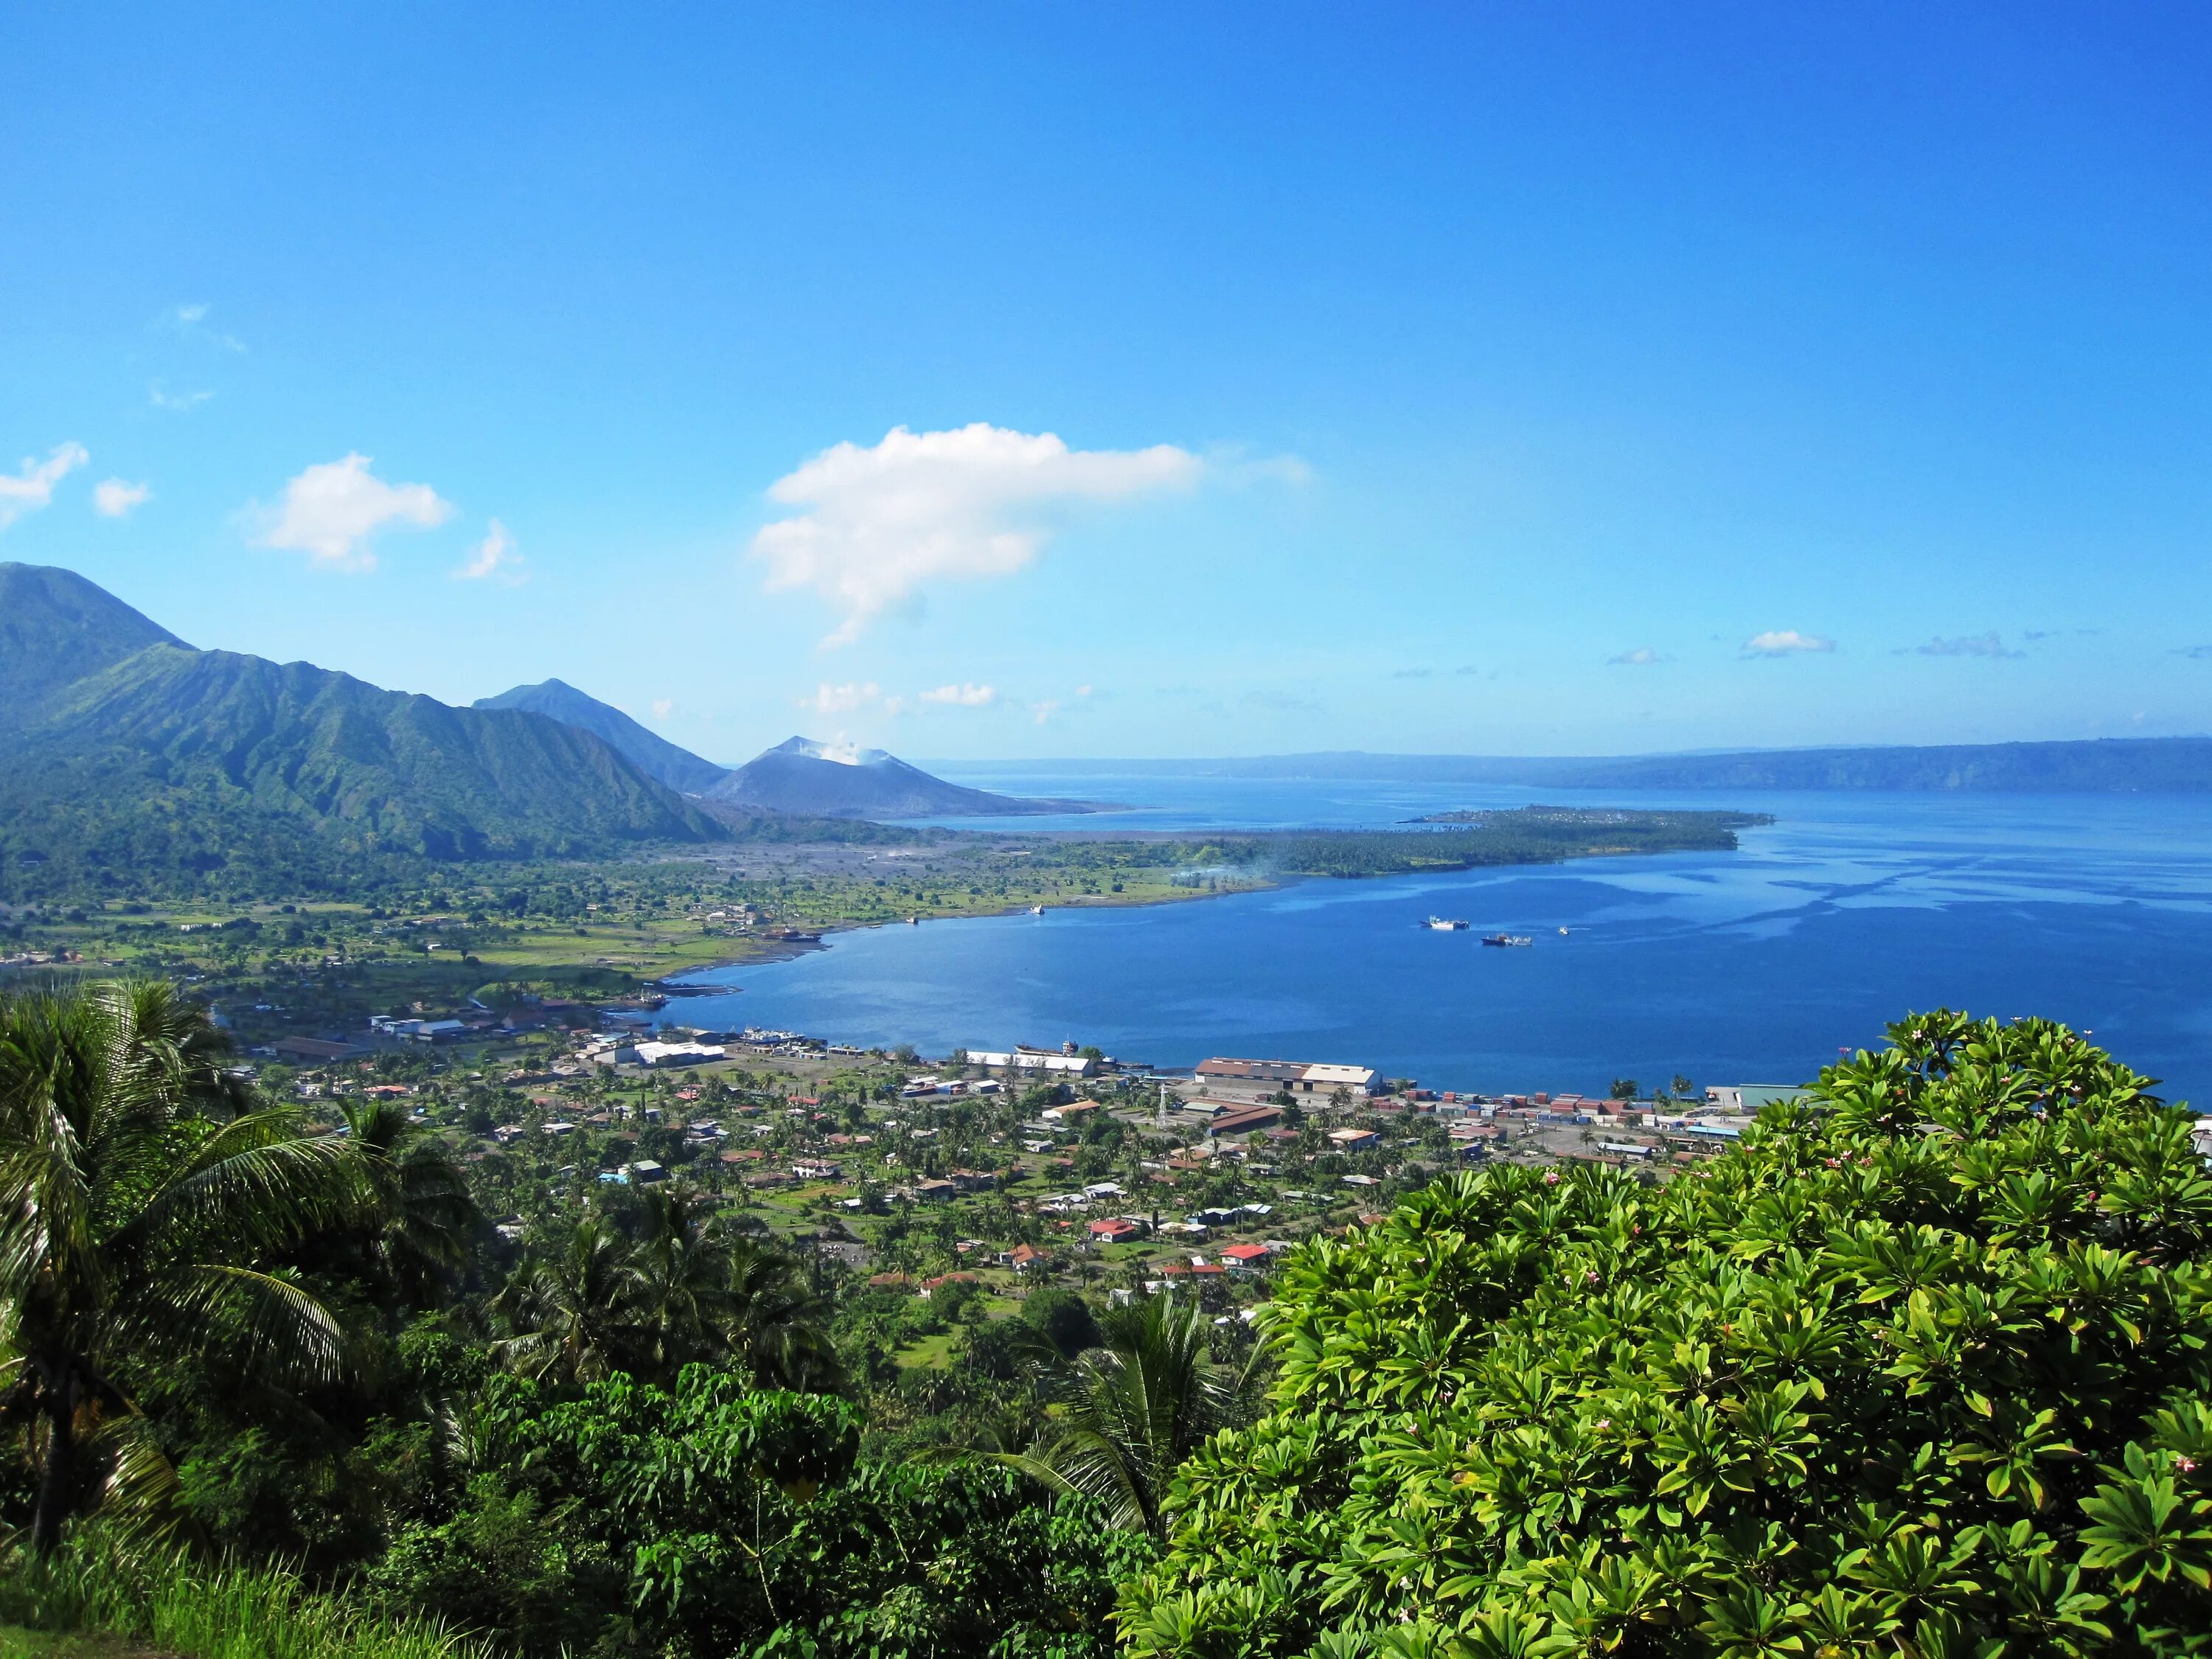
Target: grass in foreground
pixel 95 1601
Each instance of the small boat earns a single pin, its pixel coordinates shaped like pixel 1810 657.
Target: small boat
pixel 913 921
pixel 1445 925
pixel 1037 910
pixel 1507 938
pixel 1563 932
pixel 793 936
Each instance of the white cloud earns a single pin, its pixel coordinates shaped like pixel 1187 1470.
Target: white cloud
pixel 33 485
pixel 1045 710
pixel 894 705
pixel 962 696
pixel 494 555
pixel 333 510
pixel 1082 691
pixel 176 403
pixel 1643 656
pixel 830 699
pixel 663 708
pixel 1784 642
pixel 112 498
pixel 920 507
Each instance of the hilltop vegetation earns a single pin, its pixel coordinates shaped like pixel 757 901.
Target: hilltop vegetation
pixel 1920 1370
pixel 1917 1371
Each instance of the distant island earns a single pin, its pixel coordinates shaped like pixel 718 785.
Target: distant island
pixel 2092 766
pixel 1476 840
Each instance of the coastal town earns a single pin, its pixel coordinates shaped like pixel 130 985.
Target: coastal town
pixel 987 1171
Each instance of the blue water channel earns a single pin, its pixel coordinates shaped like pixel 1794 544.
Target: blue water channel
pixel 1755 966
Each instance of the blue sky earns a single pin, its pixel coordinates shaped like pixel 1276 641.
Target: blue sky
pixel 1557 379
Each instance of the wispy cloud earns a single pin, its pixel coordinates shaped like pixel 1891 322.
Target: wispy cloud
pixel 192 321
pixel 1785 642
pixel 1413 673
pixel 1643 656
pixel 830 699
pixel 114 498
pixel 1281 702
pixel 1043 711
pixel 2196 652
pixel 493 558
pixel 175 402
pixel 663 708
pixel 1970 645
pixel 962 696
pixel 333 510
pixel 881 522
pixel 31 485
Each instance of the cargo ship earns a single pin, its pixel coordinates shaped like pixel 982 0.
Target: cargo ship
pixel 1507 938
pixel 1445 925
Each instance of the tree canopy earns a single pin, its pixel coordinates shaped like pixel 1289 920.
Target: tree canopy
pixel 1920 1370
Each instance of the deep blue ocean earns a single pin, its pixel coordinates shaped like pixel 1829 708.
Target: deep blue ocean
pixel 1756 966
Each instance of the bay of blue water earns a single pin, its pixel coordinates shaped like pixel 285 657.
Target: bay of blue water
pixel 1755 966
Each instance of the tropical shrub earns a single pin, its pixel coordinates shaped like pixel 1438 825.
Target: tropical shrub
pixel 1921 1368
pixel 712 1519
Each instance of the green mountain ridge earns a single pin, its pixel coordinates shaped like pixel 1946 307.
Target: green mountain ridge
pixel 163 764
pixel 57 628
pixel 654 755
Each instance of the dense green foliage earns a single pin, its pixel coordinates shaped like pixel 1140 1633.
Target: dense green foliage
pixel 223 1326
pixel 1126 1412
pixel 141 1215
pixel 712 1519
pixel 1920 1370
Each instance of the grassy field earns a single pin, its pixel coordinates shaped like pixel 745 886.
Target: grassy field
pixel 928 1353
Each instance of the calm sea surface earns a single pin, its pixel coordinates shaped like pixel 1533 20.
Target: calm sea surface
pixel 1755 966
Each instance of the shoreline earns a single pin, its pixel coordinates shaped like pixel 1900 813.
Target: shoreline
pixel 787 951
pixel 784 950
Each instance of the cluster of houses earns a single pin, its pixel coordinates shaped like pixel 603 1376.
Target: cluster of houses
pixel 921 1088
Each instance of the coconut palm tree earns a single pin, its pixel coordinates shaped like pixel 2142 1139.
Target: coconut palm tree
pixel 415 1232
pixel 144 1200
pixel 572 1315
pixel 685 1308
pixel 1130 1411
pixel 774 1327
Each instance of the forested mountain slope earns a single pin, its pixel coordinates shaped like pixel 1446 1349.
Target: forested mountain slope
pixel 161 762
pixel 55 629
pixel 653 754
